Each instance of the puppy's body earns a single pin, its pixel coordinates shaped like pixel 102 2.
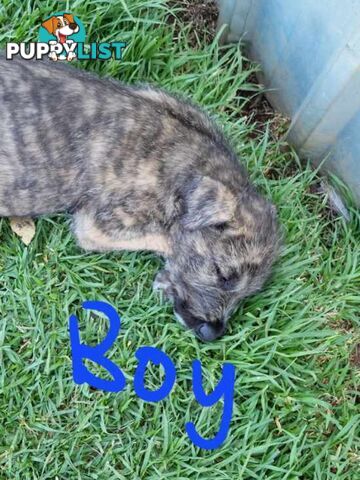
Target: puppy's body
pixel 139 169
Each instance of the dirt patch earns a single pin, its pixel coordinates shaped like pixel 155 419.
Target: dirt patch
pixel 263 115
pixel 259 109
pixel 200 15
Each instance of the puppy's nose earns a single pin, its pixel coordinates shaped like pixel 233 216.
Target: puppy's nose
pixel 207 332
pixel 73 26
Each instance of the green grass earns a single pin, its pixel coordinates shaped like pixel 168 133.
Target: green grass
pixel 295 413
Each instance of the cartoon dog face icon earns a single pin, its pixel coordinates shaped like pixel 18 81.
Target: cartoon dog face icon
pixel 61 26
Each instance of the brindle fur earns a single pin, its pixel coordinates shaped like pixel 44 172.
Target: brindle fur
pixel 138 169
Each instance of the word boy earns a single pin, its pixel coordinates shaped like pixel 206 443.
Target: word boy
pixel 81 374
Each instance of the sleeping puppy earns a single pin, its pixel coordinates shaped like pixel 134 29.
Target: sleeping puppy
pixel 138 169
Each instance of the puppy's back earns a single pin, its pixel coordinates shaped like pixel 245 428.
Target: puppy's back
pixel 67 134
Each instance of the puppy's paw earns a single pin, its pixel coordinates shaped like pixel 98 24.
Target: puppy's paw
pixel 162 283
pixel 162 280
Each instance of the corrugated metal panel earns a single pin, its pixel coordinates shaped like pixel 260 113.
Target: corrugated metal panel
pixel 310 57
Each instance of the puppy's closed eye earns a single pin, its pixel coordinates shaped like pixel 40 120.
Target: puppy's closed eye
pixel 221 227
pixel 228 280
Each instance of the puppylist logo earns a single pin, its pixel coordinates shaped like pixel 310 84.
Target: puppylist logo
pixel 62 37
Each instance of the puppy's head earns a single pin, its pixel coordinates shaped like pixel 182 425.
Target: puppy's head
pixel 223 249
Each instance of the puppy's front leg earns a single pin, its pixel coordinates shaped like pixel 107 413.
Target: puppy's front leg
pixel 91 237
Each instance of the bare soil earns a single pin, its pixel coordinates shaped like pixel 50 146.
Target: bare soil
pixel 202 15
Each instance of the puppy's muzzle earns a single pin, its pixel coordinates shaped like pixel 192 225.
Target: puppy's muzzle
pixel 207 332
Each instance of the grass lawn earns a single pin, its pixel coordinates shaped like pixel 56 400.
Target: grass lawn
pixel 296 408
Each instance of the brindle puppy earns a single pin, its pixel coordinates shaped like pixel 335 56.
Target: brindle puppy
pixel 139 169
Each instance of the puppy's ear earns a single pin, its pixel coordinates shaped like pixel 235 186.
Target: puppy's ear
pixel 69 17
pixel 50 25
pixel 208 202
